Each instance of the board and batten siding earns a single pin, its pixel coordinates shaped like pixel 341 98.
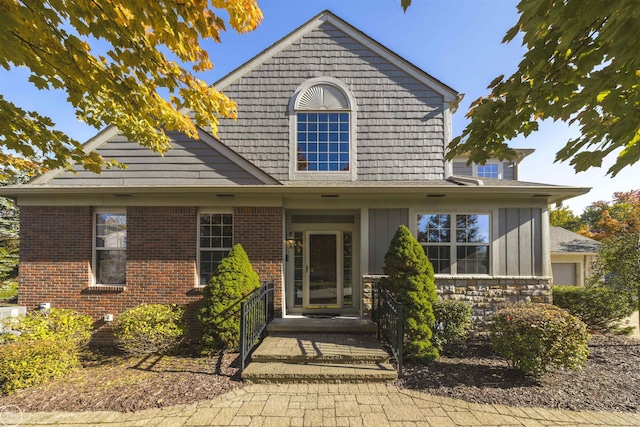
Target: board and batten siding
pixel 190 162
pixel 400 121
pixel 383 224
pixel 519 242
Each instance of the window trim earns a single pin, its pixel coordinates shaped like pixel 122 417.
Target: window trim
pixel 211 212
pixel 95 249
pixel 453 245
pixel 296 175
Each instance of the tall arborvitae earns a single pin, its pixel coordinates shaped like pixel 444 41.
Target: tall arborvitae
pixel 410 278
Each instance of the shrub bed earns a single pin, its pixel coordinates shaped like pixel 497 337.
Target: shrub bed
pixel 150 329
pixel 599 307
pixel 48 346
pixel 452 326
pixel 57 324
pixel 533 337
pixel 27 363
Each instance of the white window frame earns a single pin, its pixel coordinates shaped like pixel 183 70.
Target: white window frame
pixel 95 248
pixel 220 249
pixel 294 173
pixel 453 245
pixel 489 162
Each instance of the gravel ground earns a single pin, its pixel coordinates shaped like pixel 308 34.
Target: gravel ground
pixel 609 382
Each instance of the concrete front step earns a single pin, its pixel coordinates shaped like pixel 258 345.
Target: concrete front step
pixel 320 348
pixel 276 372
pixel 341 324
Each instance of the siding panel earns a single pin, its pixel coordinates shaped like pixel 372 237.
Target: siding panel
pixel 461 169
pixel 519 242
pixel 383 224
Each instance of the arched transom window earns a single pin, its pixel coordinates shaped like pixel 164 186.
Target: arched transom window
pixel 323 138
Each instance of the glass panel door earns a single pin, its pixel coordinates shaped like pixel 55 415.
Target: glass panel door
pixel 323 284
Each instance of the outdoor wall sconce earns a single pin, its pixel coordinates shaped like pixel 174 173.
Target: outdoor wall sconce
pixel 290 241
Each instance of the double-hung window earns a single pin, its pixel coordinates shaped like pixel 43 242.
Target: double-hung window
pixel 214 243
pixel 456 243
pixel 110 250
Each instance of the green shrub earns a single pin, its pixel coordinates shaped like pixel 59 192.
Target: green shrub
pixel 233 281
pixel 150 329
pixel 30 363
pixel 599 307
pixel 57 324
pixel 533 337
pixel 453 323
pixel 410 278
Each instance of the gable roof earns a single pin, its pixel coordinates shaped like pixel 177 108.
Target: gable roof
pixel 565 241
pixel 449 94
pixel 202 161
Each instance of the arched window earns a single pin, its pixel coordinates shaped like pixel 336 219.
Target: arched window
pixel 322 132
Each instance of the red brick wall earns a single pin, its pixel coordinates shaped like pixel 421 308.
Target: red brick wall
pixel 259 231
pixel 56 253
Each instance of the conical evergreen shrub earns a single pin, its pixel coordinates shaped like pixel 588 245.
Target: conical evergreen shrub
pixel 233 281
pixel 410 279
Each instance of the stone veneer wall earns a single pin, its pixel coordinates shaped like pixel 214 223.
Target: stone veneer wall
pixel 485 294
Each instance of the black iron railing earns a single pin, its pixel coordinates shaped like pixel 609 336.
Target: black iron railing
pixel 387 313
pixel 255 314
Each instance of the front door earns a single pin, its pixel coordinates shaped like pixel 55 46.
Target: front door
pixel 323 284
pixel 322 258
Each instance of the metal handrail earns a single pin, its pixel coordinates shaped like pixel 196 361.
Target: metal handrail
pixel 255 314
pixel 387 313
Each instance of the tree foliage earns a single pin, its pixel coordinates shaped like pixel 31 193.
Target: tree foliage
pixel 232 283
pixel 621 216
pixel 115 60
pixel 9 232
pixel 410 279
pixel 618 262
pixel 565 218
pixel 581 67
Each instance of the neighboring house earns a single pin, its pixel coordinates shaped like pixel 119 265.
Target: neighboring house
pixel 572 256
pixel 338 141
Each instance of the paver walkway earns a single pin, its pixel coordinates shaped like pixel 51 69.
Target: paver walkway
pixel 373 405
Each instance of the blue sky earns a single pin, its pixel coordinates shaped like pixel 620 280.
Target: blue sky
pixel 456 41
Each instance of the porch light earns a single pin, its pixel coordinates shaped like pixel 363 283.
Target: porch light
pixel 290 241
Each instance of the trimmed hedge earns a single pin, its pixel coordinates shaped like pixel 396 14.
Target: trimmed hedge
pixel 533 337
pixel 453 323
pixel 150 329
pixel 599 307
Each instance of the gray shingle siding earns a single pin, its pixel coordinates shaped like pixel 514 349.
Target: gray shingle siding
pixel 400 124
pixel 191 162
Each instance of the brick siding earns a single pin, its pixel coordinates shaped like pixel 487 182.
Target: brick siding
pixel 56 253
pixel 259 231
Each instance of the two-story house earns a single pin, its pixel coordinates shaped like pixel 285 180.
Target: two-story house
pixel 339 141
